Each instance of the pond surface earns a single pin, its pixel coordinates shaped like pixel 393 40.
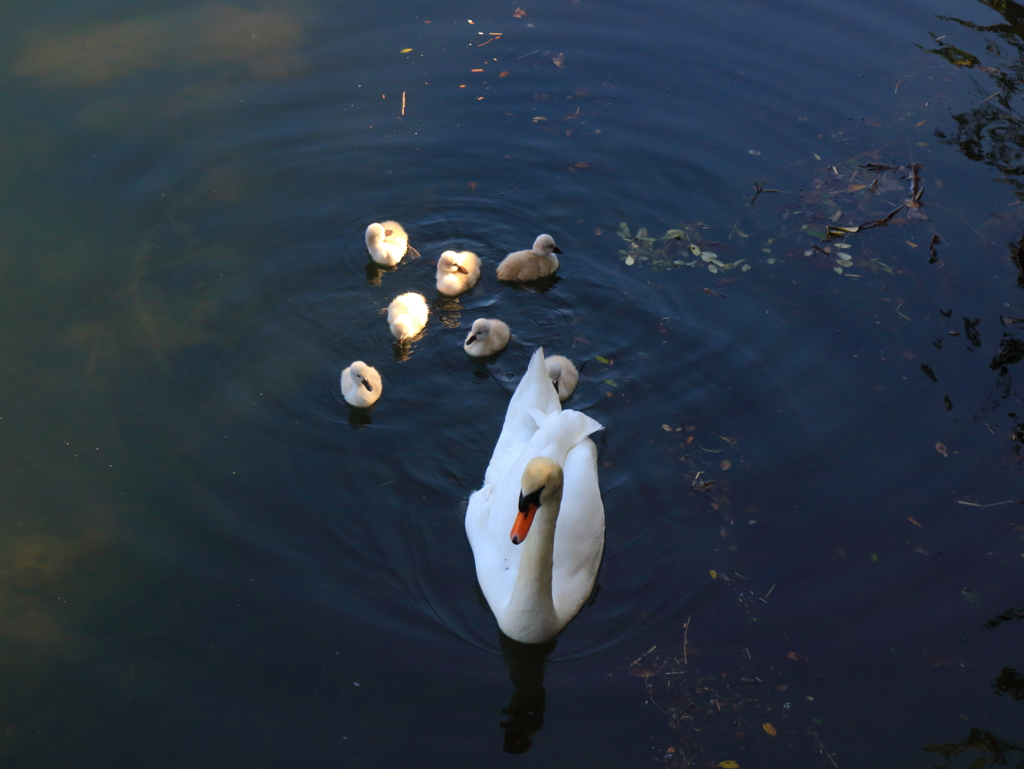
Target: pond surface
pixel 811 454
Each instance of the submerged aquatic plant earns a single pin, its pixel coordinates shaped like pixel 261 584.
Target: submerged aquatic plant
pixel 677 249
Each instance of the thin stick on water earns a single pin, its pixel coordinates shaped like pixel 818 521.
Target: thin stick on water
pixel 403 103
pixel 686 645
pixel 644 655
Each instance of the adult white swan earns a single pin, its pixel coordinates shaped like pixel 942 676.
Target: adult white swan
pixel 537 525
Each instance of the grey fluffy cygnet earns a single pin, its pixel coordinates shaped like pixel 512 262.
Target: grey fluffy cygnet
pixel 487 337
pixel 407 315
pixel 563 375
pixel 361 385
pixel 538 262
pixel 457 271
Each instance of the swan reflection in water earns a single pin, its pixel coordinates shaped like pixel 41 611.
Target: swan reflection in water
pixel 524 715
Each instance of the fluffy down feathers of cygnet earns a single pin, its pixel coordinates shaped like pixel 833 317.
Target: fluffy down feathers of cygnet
pixel 563 375
pixel 361 385
pixel 532 264
pixel 407 315
pixel 457 271
pixel 386 242
pixel 487 337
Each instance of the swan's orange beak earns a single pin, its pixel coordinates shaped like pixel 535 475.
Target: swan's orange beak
pixel 528 504
pixel 524 519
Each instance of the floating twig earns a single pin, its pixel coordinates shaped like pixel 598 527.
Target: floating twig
pixel 643 655
pixel 931 247
pixel 915 187
pixel 821 747
pixel 878 222
pixel 758 189
pixel 991 504
pixel 686 647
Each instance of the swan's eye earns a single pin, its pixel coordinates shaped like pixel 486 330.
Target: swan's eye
pixel 529 500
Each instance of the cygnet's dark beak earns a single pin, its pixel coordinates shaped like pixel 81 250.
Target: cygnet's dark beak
pixel 557 250
pixel 555 382
pixel 462 269
pixel 471 339
pixel 367 385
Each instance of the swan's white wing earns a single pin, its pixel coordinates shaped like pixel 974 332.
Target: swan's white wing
pixel 579 533
pixel 496 566
pixel 534 393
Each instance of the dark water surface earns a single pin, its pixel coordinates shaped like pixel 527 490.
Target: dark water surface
pixel 811 470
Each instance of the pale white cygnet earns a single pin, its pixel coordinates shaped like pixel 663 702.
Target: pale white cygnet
pixel 407 315
pixel 361 385
pixel 457 271
pixel 487 337
pixel 538 262
pixel 563 375
pixel 386 242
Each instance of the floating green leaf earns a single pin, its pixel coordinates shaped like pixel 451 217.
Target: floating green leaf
pixel 602 359
pixel 610 382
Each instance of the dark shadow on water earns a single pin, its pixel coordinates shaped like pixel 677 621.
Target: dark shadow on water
pixel 403 350
pixel 541 286
pixel 486 368
pixel 374 271
pixel 359 417
pixel 1010 682
pixel 990 746
pixel 994 750
pixel 525 712
pixel 449 309
pixel 992 133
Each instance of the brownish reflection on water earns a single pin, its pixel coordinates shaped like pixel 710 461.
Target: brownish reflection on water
pixel 214 33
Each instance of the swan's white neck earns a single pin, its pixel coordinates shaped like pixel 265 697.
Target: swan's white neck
pixel 530 615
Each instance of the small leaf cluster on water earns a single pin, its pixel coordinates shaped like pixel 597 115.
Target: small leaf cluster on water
pixel 677 246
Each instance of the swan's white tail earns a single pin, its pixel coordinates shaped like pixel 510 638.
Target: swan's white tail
pixel 535 393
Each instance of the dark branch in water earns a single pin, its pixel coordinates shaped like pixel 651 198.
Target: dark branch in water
pixel 758 189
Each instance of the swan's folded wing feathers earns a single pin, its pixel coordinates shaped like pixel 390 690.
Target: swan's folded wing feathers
pixel 495 558
pixel 579 534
